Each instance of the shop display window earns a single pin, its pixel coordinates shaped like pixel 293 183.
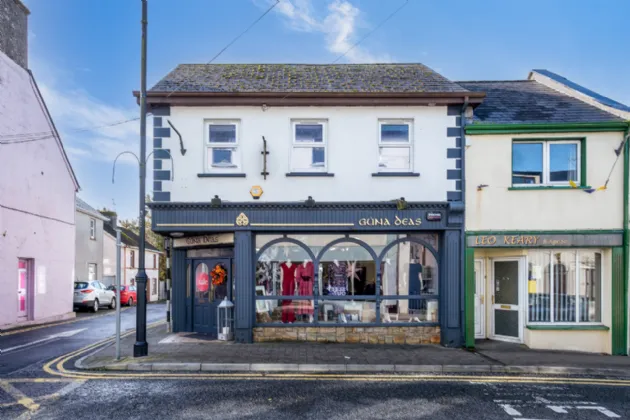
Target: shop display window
pixel 342 279
pixel 564 286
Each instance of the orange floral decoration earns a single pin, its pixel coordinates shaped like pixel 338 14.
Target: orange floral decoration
pixel 218 274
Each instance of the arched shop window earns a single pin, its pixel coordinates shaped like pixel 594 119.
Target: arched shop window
pixel 285 279
pixel 347 284
pixel 342 279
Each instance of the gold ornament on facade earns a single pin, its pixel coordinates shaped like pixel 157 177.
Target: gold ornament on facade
pixel 242 220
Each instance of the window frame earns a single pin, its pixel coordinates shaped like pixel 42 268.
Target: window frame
pixel 577 322
pixel 546 161
pixel 309 145
pixel 92 228
pixel 132 257
pixel 409 122
pixel 208 146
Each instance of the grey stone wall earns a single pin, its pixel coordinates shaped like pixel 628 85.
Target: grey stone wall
pixel 14 31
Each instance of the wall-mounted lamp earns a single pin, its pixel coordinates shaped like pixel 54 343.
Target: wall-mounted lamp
pixel 177 234
pixel 401 204
pixel 181 141
pixel 481 186
pixel 216 201
pixel 310 202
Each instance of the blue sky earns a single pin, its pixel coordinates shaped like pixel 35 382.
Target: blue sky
pixel 85 54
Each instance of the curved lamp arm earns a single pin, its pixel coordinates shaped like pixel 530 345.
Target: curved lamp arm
pixel 115 160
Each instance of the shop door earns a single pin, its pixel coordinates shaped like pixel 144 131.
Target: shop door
pixel 22 290
pixel 212 283
pixel 480 300
pixel 506 312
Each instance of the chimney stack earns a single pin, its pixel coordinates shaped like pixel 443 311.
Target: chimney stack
pixel 14 31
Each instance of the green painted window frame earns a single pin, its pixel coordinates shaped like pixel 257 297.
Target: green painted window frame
pixel 582 165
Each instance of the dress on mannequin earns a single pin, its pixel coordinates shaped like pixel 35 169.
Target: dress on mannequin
pixel 338 279
pixel 288 289
pixel 304 275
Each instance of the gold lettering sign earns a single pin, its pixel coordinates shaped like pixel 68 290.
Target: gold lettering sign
pixel 203 240
pixel 384 221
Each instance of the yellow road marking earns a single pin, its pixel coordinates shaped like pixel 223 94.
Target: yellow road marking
pixel 19 396
pixel 72 321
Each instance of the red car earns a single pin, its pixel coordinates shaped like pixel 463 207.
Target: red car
pixel 128 295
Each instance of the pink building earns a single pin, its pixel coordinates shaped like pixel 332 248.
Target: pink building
pixel 37 191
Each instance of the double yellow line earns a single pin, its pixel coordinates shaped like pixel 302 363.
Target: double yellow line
pixel 56 368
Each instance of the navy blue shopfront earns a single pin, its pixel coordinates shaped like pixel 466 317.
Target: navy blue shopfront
pixel 316 265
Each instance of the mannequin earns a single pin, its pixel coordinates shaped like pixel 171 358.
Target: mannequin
pixel 287 288
pixel 304 276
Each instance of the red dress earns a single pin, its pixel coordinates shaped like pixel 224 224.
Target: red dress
pixel 288 289
pixel 304 275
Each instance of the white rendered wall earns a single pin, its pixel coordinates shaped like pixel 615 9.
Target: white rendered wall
pixel 352 155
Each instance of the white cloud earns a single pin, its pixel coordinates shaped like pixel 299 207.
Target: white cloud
pixel 339 27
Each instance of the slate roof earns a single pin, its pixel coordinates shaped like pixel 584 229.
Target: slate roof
pixel 86 208
pixel 128 237
pixel 306 78
pixel 527 101
pixel 604 100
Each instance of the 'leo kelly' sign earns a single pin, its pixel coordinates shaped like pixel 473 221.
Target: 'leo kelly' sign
pixel 543 240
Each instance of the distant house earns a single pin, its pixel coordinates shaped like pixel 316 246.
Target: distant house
pixel 129 259
pixel 37 190
pixel 88 262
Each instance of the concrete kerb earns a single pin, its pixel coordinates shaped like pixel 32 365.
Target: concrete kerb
pixel 348 368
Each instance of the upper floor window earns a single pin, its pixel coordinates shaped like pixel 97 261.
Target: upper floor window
pixel 92 228
pixel 222 141
pixel 546 162
pixel 132 258
pixel 309 146
pixel 395 146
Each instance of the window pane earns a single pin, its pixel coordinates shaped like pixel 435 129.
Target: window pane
pixel 279 311
pixel 564 286
pixel 590 286
pixel 309 133
pixel 395 133
pixel 539 286
pixel 409 268
pixel 318 157
pixel 346 311
pixel 394 158
pixel 409 310
pixel 563 162
pixel 284 269
pixel 347 269
pixel 202 282
pixel 527 163
pixel 222 133
pixel 221 157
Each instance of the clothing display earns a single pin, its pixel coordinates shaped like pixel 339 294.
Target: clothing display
pixel 338 279
pixel 304 275
pixel 288 289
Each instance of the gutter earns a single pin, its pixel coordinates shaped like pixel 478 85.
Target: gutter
pixel 462 254
pixel 481 128
pixel 626 231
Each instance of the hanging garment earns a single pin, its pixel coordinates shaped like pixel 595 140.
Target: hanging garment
pixel 288 289
pixel 338 279
pixel 304 275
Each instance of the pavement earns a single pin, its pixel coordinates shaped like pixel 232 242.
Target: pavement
pixel 196 353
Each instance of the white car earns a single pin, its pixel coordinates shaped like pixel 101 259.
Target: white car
pixel 93 295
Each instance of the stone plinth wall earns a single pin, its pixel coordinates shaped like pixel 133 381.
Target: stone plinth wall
pixel 366 335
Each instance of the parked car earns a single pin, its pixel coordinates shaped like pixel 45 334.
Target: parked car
pixel 128 294
pixel 93 295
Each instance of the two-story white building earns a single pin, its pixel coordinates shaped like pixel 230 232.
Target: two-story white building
pixel 547 216
pixel 326 201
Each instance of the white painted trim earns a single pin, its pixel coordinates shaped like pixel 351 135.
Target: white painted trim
pixel 482 284
pixel 295 145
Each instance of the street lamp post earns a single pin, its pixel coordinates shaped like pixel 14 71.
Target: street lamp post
pixel 141 347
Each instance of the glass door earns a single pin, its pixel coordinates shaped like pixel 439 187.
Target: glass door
pixel 506 312
pixel 22 289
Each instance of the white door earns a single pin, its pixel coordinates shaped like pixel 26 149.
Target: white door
pixel 91 272
pixel 480 300
pixel 22 290
pixel 506 299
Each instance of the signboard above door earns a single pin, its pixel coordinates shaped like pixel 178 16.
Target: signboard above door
pixel 533 240
pixel 204 240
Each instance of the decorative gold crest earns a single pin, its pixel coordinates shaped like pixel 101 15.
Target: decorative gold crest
pixel 242 220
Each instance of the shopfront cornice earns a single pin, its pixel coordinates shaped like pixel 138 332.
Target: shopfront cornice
pixel 295 205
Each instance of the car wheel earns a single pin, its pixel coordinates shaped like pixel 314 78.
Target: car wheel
pixel 95 307
pixel 112 305
pixel 130 302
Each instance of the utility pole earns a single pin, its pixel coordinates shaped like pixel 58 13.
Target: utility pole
pixel 118 277
pixel 141 347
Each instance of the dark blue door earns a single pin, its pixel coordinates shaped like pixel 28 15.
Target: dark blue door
pixel 211 284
